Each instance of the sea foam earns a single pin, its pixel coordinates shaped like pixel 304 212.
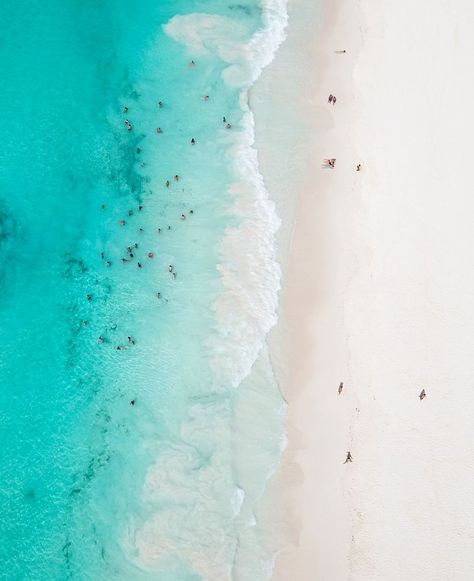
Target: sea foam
pixel 203 517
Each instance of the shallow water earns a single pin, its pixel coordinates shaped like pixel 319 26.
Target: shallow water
pixel 90 486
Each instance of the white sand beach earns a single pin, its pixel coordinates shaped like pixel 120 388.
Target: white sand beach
pixel 378 288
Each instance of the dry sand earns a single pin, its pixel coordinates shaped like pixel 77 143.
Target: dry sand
pixel 378 289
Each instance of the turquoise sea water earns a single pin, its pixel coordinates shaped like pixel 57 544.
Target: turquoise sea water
pixel 92 487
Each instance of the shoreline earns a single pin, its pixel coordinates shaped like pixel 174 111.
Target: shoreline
pixel 375 291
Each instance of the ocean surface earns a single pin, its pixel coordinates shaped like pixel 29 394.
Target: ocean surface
pixel 123 284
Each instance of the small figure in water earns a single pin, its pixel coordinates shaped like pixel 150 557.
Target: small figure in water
pixel 131 341
pixel 228 126
pixel 159 230
pixel 348 458
pixel 89 297
pixel 224 120
pixel 193 141
pixel 191 64
pixel 167 183
pixel 340 388
pixel 422 395
pixel 102 255
pixel 128 125
pixel 125 109
pixel 138 150
pixel 176 177
pixel 140 208
pixel 205 97
pixel 169 227
pixel 158 130
pixel 124 260
pixel 132 402
pixel 141 230
pixel 122 222
pixel 130 212
pixel 103 206
pixel 183 217
pixel 191 211
pixel 150 255
pixel 84 323
pixel 158 295
pixel 170 268
pixel 108 263
pixel 139 264
pixel 101 339
pixel 135 245
pixel 160 104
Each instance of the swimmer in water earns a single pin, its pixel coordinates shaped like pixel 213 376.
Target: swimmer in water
pixel 167 183
pixel 89 297
pixel 183 217
pixel 176 177
pixel 170 268
pixel 193 141
pixel 132 402
pixel 130 212
pixel 205 97
pixel 140 208
pixel 102 255
pixel 125 109
pixel 191 64
pixel 138 150
pixel 158 295
pixel 101 339
pixel 150 255
pixel 224 120
pixel 160 104
pixel 122 222
pixel 139 264
pixel 191 211
pixel 131 341
pixel 158 130
pixel 108 263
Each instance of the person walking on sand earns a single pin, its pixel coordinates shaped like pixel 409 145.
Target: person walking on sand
pixel 330 98
pixel 334 100
pixel 340 388
pixel 358 167
pixel 422 395
pixel 348 458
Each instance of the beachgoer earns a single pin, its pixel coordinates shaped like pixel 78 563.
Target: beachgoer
pixel 228 126
pixel 183 217
pixel 89 297
pixel 130 212
pixel 224 120
pixel 159 230
pixel 330 98
pixel 141 230
pixel 170 268
pixel 108 263
pixel 122 222
pixel 84 323
pixel 102 255
pixel 334 100
pixel 193 141
pixel 358 167
pixel 176 177
pixel 135 245
pixel 340 388
pixel 138 150
pixel 131 341
pixel 422 395
pixel 158 130
pixel 103 206
pixel 191 211
pixel 205 97
pixel 191 64
pixel 348 458
pixel 125 109
pixel 124 260
pixel 139 264
pixel 140 208
pixel 340 51
pixel 167 183
pixel 150 255
pixel 101 339
pixel 158 295
pixel 160 104
pixel 132 402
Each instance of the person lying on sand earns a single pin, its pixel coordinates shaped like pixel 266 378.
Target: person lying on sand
pixel 340 388
pixel 422 395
